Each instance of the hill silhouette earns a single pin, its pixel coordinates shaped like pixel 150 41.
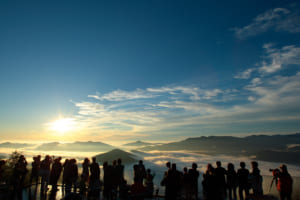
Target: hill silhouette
pixel 139 144
pixel 127 158
pixel 75 146
pixel 263 147
pixel 15 145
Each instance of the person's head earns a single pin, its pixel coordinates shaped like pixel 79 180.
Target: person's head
pixel 86 160
pixel 114 163
pixel 254 164
pixel 140 162
pixel 209 167
pixel 173 166
pixel 119 161
pixel 94 159
pixel 218 163
pixel 283 168
pixel 194 166
pixel 168 165
pixel 185 169
pixel 230 167
pixel 105 164
pixel 243 165
pixel 148 171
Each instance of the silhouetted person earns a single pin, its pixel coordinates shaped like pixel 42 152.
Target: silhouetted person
pixel 45 173
pixel 65 172
pixel 255 180
pixel 242 175
pixel 115 177
pixel 164 180
pixel 94 185
pixel 149 184
pixel 19 173
pixel 35 169
pixel 208 183
pixel 107 181
pixel 140 172
pixel 2 163
pixel 284 184
pixel 55 173
pixel 194 175
pixel 220 173
pixel 186 184
pixel 71 176
pixel 119 172
pixel 231 181
pixel 85 170
pixel 173 183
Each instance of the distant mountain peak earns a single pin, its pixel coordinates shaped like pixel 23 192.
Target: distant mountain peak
pixel 115 154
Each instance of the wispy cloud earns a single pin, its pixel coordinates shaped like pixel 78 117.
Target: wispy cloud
pixel 245 74
pixel 274 60
pixel 121 95
pixel 278 19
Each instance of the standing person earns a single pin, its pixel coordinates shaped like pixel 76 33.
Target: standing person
pixel 45 173
pixel 149 184
pixel 85 170
pixel 231 181
pixel 120 172
pixel 94 185
pixel 35 169
pixel 186 183
pixel 208 183
pixel 107 181
pixel 285 183
pixel 19 173
pixel 220 173
pixel 174 179
pixel 65 172
pixel 55 173
pixel 255 180
pixel 242 175
pixel 141 172
pixel 194 175
pixel 164 182
pixel 74 174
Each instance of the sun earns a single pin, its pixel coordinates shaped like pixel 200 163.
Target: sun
pixel 62 125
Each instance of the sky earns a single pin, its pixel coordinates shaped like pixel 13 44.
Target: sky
pixel 117 71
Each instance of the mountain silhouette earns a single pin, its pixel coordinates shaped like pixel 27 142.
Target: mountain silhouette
pixel 15 145
pixel 263 147
pixel 75 146
pixel 139 144
pixel 127 158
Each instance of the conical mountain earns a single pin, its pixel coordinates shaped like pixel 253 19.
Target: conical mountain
pixel 115 154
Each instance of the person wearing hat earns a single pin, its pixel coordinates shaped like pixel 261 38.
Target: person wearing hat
pixel 284 184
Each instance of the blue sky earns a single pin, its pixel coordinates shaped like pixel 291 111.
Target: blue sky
pixel 150 70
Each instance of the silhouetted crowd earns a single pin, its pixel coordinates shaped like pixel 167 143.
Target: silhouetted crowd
pixel 218 183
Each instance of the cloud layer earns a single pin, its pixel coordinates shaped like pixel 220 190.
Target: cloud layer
pixel 278 19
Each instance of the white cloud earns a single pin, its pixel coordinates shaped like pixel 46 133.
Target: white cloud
pixel 279 19
pixel 245 74
pixel 120 95
pixel 275 59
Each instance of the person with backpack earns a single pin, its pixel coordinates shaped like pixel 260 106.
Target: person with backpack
pixel 284 183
